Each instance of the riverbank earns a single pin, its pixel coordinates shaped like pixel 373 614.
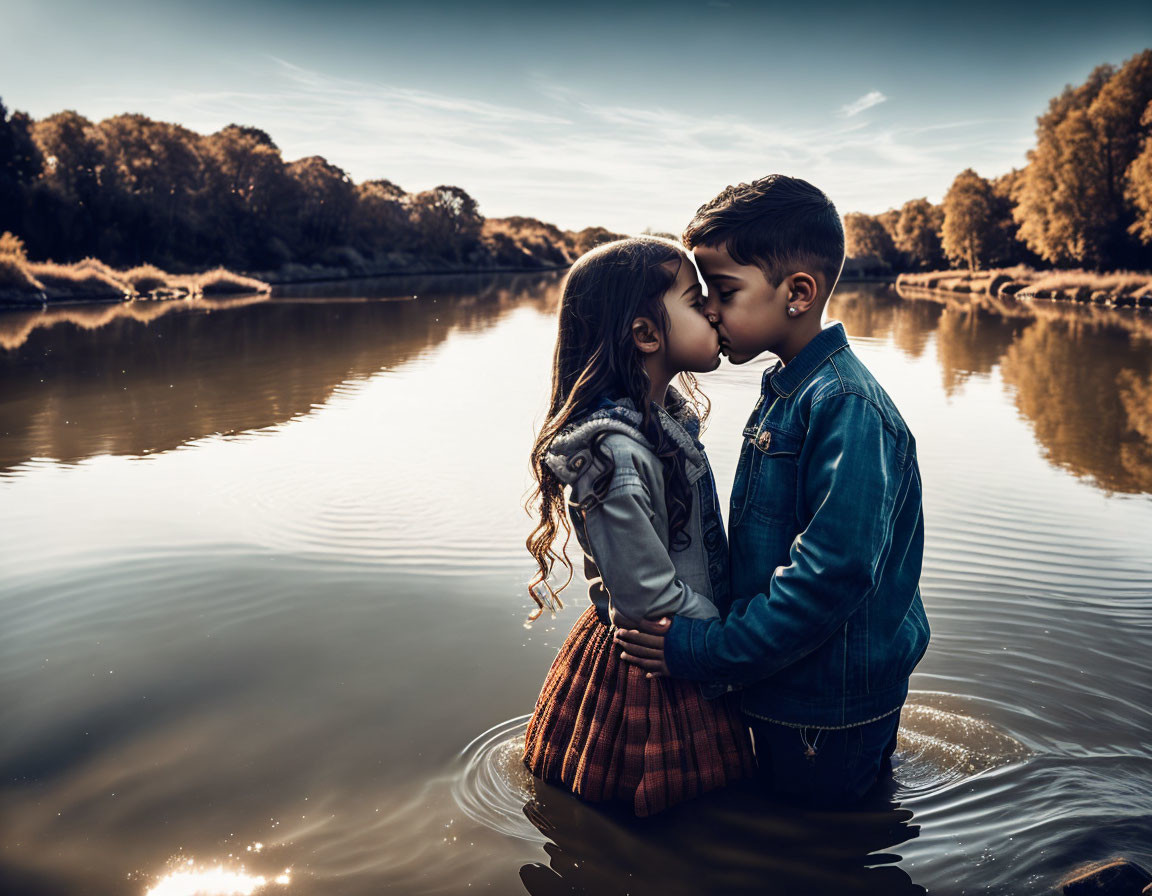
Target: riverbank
pixel 508 245
pixel 29 285
pixel 1116 290
pixel 222 283
pixel 493 287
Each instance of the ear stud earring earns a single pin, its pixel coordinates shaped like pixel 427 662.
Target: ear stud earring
pixel 792 310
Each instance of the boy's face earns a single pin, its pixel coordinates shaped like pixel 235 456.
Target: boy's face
pixel 751 314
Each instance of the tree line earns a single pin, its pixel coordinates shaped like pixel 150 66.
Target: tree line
pixel 130 190
pixel 1083 198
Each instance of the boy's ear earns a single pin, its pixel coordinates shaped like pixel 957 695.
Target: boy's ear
pixel 802 292
pixel 645 335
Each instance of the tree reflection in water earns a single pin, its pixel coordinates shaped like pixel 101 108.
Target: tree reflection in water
pixel 1088 398
pixel 1081 377
pixel 146 377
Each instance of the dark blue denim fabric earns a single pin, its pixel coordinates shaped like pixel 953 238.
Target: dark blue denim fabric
pixel 824 767
pixel 827 541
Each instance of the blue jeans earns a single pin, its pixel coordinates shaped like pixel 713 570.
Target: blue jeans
pixel 821 766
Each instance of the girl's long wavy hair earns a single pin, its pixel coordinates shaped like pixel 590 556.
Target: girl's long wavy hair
pixel 595 357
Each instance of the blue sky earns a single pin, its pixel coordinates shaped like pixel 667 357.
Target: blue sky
pixel 628 116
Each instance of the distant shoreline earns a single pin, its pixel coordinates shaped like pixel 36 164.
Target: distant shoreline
pixel 1118 289
pixel 13 301
pixel 1027 287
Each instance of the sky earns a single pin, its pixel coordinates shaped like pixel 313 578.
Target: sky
pixel 627 116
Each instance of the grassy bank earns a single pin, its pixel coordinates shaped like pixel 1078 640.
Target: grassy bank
pixel 1117 290
pixel 31 284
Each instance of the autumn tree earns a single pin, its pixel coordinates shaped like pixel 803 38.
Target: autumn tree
pixel 918 233
pixel 325 204
pixel 890 221
pixel 249 167
pixel 254 197
pixel 520 241
pixel 591 237
pixel 1116 116
pixel 866 237
pixel 69 202
pixel 20 163
pixel 970 225
pixel 1072 203
pixel 447 221
pixel 1138 187
pixel 381 220
pixel 161 187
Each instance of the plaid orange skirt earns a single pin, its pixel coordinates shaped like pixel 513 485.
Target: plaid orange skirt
pixel 605 732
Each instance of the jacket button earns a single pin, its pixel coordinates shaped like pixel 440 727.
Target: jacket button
pixel 577 463
pixel 764 440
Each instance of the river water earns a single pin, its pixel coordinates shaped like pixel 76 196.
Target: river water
pixel 262 594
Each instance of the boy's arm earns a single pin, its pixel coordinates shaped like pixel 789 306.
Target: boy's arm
pixel 850 481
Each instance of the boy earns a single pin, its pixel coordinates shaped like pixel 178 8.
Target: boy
pixel 826 522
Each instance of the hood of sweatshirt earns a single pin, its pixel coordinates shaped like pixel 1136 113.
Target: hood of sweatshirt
pixel 678 419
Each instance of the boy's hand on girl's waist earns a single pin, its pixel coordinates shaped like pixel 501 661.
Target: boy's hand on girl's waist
pixel 642 642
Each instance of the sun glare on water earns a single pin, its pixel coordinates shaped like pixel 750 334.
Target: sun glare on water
pixel 217 881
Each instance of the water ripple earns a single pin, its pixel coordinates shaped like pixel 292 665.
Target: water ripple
pixel 492 785
pixel 941 743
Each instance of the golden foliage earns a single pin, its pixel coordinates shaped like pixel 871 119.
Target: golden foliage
pixel 1071 201
pixel 14 277
pixel 148 278
pixel 12 247
pixel 61 280
pixel 220 282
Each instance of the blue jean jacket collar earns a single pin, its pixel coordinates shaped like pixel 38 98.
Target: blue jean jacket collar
pixel 787 379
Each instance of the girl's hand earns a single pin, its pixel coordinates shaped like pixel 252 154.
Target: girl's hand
pixel 643 646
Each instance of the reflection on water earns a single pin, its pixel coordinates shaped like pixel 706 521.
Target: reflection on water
pixel 264 579
pixel 189 880
pixel 210 367
pixel 1090 414
pixel 1081 377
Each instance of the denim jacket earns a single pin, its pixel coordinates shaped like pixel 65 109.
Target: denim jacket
pixel 827 533
pixel 624 535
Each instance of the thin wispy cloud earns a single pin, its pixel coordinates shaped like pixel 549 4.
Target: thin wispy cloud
pixel 870 99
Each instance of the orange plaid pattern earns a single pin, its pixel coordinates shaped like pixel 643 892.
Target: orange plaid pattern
pixel 605 732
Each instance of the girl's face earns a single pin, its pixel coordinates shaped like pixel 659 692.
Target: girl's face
pixel 692 343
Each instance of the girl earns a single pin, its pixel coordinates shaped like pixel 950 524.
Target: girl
pixel 643 505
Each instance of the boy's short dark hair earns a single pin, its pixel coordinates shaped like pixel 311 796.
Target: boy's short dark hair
pixel 781 224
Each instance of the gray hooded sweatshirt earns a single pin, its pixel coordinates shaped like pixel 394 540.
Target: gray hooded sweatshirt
pixel 624 536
